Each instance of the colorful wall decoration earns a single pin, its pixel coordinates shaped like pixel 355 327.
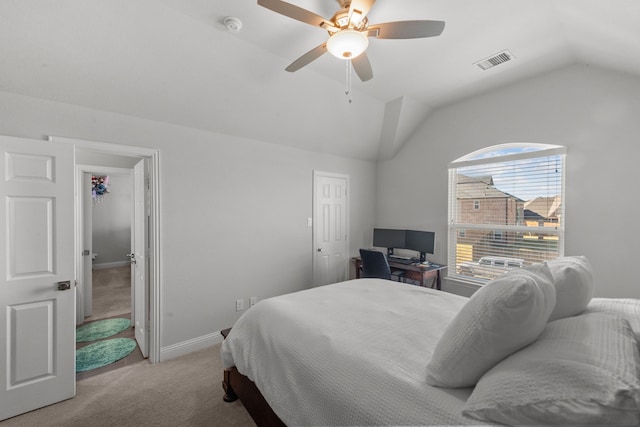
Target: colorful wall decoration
pixel 99 187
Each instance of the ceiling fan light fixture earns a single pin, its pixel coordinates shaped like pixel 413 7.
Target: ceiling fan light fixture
pixel 347 44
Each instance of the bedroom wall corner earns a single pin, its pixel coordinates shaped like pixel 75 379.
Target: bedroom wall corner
pixel 592 111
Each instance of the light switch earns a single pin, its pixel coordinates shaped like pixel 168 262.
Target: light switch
pixel 309 222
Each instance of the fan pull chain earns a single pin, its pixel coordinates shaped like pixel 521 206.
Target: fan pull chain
pixel 348 91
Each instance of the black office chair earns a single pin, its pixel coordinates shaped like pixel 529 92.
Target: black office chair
pixel 375 264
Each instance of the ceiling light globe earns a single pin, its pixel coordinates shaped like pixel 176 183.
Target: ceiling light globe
pixel 347 44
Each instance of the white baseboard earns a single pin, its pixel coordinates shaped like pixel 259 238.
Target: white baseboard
pixel 110 265
pixel 186 347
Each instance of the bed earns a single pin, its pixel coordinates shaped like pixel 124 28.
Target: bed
pixel 359 352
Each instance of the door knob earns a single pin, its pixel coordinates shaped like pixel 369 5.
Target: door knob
pixel 320 249
pixel 64 286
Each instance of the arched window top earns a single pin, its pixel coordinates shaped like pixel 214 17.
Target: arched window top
pixel 510 151
pixel 506 209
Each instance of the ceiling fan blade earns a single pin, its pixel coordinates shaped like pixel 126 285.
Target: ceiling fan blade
pixel 359 9
pixel 297 13
pixel 307 58
pixel 362 66
pixel 407 29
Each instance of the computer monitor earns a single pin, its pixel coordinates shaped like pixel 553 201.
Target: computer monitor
pixel 421 241
pixel 388 238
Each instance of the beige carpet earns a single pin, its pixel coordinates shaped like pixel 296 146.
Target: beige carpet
pixel 185 391
pixel 111 292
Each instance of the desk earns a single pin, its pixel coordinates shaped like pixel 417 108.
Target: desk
pixel 417 272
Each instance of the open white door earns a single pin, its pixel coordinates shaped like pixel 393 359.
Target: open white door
pixel 139 258
pixel 330 228
pixel 37 280
pixel 86 304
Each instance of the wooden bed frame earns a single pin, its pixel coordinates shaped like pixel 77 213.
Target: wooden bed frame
pixel 236 386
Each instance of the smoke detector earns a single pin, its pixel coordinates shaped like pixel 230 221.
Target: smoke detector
pixel 497 59
pixel 233 24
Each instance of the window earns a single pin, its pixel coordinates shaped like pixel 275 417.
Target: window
pixel 506 209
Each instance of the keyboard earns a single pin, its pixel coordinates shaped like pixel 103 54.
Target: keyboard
pixel 405 261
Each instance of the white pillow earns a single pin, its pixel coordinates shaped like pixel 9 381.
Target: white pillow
pixel 503 316
pixel 573 279
pixel 582 370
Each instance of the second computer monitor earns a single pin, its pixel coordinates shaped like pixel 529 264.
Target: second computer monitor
pixel 421 241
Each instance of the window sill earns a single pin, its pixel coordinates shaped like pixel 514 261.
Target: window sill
pixel 461 287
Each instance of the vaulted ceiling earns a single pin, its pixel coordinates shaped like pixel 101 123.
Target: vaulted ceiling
pixel 174 61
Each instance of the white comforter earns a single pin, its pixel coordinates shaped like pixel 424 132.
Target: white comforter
pixel 353 353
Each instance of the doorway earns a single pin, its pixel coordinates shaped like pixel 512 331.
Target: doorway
pixel 107 224
pixel 142 164
pixel 330 227
pixel 107 280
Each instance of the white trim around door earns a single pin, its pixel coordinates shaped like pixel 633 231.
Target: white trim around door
pixel 153 157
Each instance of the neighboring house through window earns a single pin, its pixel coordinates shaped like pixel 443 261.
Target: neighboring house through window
pixel 506 209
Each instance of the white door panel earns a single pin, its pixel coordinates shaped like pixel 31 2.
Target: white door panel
pixel 139 261
pixel 37 321
pixel 85 298
pixel 330 230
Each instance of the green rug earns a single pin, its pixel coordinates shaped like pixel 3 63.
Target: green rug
pixel 101 329
pixel 103 353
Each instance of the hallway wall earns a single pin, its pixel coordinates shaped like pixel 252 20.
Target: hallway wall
pixel 111 223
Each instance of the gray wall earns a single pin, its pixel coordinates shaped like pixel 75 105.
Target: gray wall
pixel 593 112
pixel 233 211
pixel 111 222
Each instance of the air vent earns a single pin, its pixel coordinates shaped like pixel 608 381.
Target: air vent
pixel 497 59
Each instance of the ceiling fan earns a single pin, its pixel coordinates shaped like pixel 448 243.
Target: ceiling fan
pixel 349 31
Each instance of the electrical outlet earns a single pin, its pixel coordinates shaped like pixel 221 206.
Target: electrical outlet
pixel 239 304
pixel 253 301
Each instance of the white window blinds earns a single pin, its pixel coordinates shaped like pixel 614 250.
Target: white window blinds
pixel 506 210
